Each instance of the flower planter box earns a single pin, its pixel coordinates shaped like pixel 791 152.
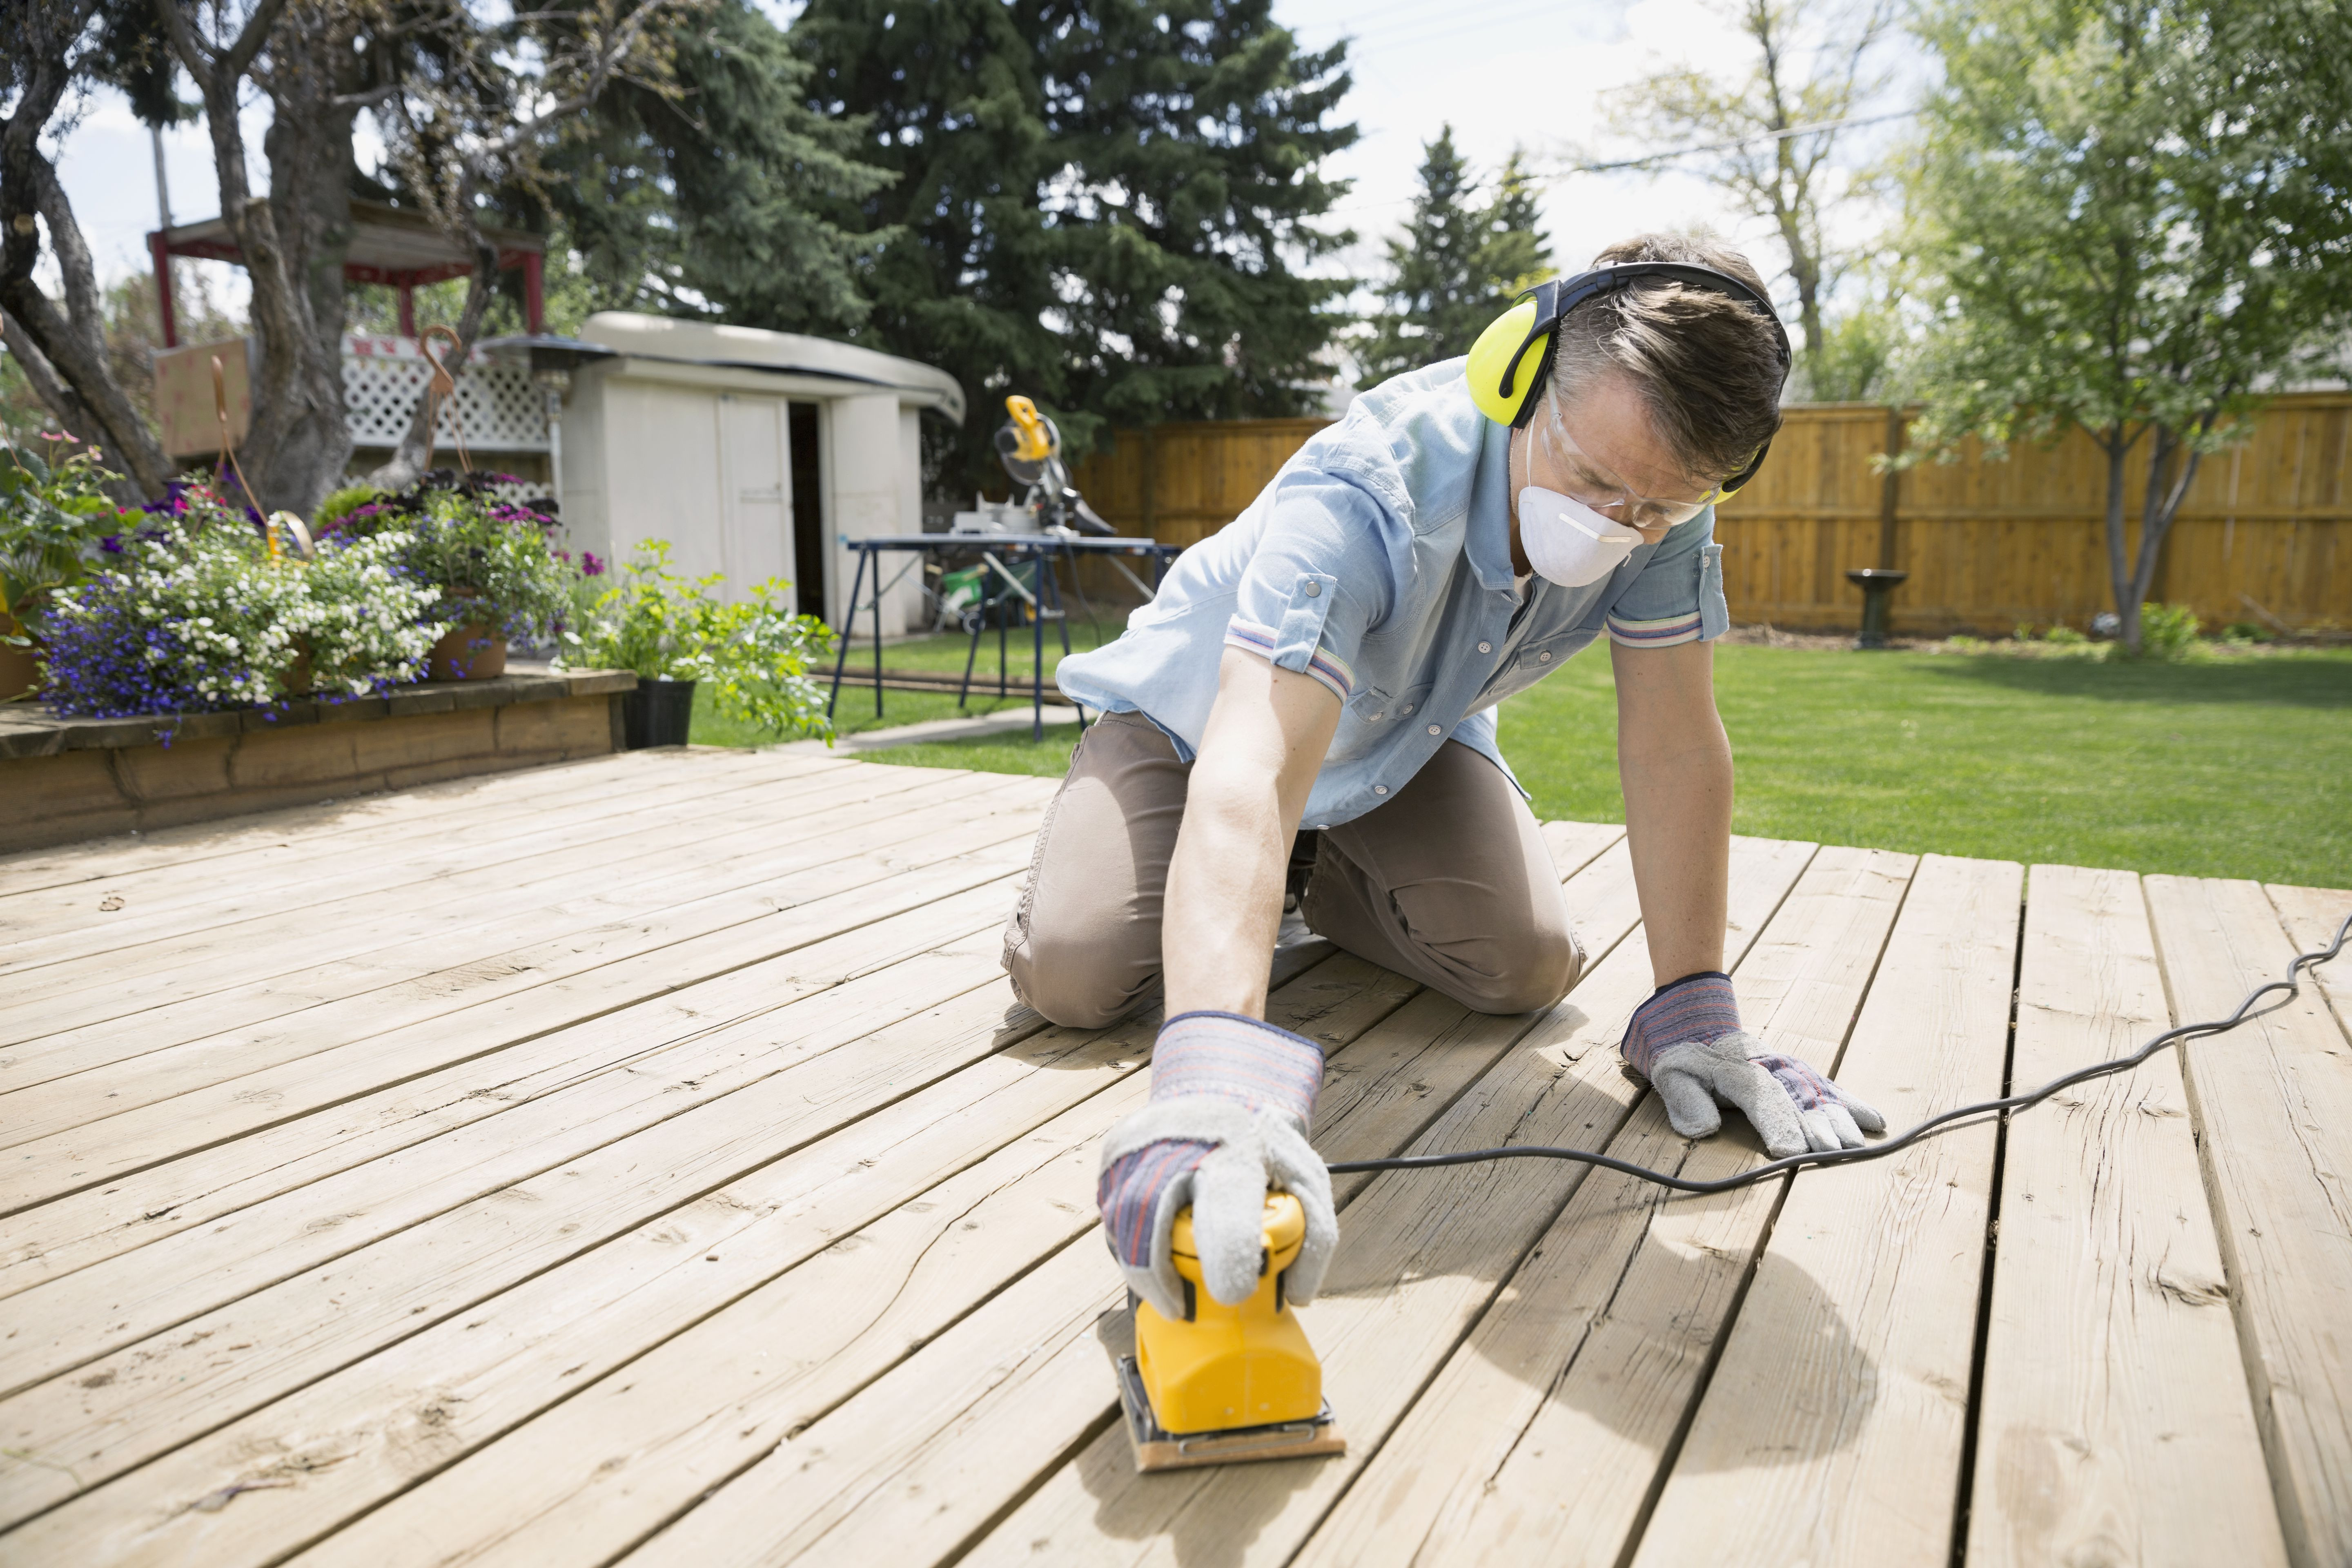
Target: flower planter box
pixel 67 779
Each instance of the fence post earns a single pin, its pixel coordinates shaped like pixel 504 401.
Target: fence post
pixel 1890 489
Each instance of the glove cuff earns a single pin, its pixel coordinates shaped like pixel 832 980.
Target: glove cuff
pixel 1696 1007
pixel 1243 1059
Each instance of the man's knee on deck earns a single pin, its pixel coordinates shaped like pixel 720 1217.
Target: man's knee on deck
pixel 1528 969
pixel 1080 979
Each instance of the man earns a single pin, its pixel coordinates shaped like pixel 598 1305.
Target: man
pixel 1330 661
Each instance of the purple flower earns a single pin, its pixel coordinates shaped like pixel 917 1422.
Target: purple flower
pixel 589 565
pixel 111 544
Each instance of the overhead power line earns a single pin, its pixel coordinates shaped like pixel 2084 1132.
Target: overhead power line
pixel 1646 160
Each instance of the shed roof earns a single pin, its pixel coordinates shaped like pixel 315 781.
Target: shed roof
pixel 753 348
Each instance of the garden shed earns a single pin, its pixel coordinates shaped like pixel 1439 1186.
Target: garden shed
pixel 754 453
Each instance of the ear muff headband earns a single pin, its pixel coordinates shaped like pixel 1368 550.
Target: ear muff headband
pixel 1511 362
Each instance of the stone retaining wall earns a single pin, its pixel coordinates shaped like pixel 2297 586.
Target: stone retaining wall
pixel 67 779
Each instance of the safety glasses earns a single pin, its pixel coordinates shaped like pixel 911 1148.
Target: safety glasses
pixel 1580 474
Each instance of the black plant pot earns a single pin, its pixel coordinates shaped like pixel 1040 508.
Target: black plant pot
pixel 659 712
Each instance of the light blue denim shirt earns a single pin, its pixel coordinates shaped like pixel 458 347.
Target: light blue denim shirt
pixel 1379 562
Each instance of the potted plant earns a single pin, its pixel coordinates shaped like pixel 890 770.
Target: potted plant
pixel 673 634
pixel 499 576
pixel 194 612
pixel 54 519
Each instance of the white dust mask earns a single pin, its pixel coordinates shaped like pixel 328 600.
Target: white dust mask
pixel 1567 542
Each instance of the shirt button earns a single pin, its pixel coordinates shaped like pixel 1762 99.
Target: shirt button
pixel 1486 647
pixel 1313 590
pixel 1435 730
pixel 1406 708
pixel 1543 659
pixel 1379 789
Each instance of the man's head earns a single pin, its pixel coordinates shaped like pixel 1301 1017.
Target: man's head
pixel 1705 367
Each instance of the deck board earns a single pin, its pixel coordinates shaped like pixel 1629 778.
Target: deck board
pixel 646 1159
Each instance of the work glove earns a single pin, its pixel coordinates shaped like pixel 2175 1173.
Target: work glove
pixel 1686 1040
pixel 1231 1100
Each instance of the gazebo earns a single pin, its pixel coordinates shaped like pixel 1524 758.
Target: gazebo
pixel 389 245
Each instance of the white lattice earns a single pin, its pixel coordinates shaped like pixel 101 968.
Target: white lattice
pixel 500 407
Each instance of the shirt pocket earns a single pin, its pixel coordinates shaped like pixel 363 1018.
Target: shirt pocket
pixel 1410 703
pixel 1714 610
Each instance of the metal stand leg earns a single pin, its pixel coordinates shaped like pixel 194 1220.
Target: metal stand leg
pixel 849 624
pixel 878 636
pixel 972 652
pixel 1037 659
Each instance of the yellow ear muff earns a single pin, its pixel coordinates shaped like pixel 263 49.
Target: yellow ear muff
pixel 1504 352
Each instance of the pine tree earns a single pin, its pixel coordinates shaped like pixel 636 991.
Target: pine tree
pixel 1457 264
pixel 696 199
pixel 1061 224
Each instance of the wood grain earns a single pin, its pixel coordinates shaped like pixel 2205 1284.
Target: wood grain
pixel 1538 1438
pixel 2114 1425
pixel 2273 1105
pixel 1831 1430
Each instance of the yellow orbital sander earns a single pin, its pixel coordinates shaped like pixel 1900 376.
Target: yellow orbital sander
pixel 1227 1385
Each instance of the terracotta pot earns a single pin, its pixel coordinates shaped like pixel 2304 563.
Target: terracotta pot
pixel 20 670
pixel 466 653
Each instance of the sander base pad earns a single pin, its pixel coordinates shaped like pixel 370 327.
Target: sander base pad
pixel 1157 1449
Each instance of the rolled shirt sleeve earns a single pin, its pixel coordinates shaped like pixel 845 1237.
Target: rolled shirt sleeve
pixel 1291 607
pixel 1677 596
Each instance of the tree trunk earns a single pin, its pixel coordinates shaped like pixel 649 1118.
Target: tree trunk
pixel 300 438
pixel 2165 493
pixel 2117 446
pixel 70 342
pixel 311 168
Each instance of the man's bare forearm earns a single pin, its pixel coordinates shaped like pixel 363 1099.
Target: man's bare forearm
pixel 1266 739
pixel 1675 763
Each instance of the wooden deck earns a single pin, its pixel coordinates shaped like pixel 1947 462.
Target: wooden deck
pixel 643 1161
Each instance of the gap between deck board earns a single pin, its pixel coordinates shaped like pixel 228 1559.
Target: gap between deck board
pixel 2272 1101
pixel 661 957
pixel 206 960
pixel 998 1395
pixel 520 1363
pixel 1545 1425
pixel 271 1021
pixel 194 895
pixel 360 816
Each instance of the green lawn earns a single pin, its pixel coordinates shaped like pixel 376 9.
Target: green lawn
pixel 2236 768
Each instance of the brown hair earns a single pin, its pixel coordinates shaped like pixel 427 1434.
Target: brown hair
pixel 1707 365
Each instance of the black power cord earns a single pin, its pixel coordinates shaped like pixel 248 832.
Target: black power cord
pixel 1928 1128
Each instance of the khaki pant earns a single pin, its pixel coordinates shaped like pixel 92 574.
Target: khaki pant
pixel 1449 883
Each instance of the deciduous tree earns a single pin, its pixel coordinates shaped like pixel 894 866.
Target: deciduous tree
pixel 1769 138
pixel 2134 216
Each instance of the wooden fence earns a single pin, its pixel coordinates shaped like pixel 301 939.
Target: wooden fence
pixel 2265 535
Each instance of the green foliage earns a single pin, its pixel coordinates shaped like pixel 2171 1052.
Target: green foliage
pixel 2168 631
pixel 754 654
pixel 1458 264
pixel 2130 215
pixel 52 519
pixel 341 505
pixel 701 197
pixel 1108 207
pixel 491 561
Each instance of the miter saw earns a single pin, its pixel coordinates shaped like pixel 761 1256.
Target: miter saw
pixel 1031 450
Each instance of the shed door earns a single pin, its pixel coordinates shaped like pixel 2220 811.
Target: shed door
pixel 757 491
